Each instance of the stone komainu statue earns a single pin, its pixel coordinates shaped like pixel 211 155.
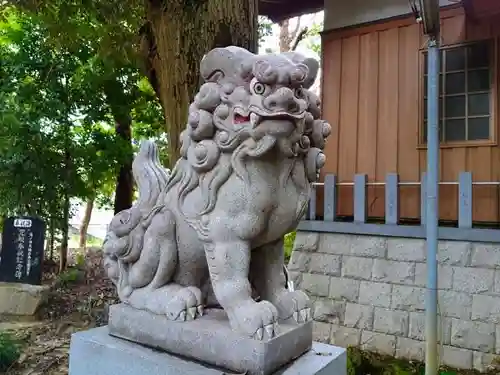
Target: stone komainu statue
pixel 213 228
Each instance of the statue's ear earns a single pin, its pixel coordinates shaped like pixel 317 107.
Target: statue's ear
pixel 222 63
pixel 312 65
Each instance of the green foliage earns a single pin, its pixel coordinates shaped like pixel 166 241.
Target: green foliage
pixel 313 37
pixel 70 276
pixel 288 245
pixel 62 96
pixel 9 351
pixel 265 28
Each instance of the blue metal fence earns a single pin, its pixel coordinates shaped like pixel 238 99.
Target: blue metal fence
pixel 392 226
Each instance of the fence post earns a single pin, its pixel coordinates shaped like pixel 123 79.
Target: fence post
pixel 423 199
pixel 392 199
pixel 465 200
pixel 312 203
pixel 330 203
pixel 360 198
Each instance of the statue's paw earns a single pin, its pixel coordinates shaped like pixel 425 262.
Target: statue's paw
pixel 294 307
pixel 258 320
pixel 186 304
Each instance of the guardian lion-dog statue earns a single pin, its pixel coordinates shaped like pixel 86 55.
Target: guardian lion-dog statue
pixel 214 226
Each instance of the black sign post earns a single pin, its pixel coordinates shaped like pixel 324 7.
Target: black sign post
pixel 21 255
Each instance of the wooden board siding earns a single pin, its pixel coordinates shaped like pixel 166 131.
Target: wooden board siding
pixel 372 96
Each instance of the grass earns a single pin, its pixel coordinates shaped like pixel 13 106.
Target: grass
pixel 9 351
pixel 361 362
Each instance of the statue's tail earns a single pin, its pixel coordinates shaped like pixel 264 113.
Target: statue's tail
pixel 124 240
pixel 149 174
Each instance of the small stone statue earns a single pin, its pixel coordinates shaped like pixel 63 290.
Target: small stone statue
pixel 213 227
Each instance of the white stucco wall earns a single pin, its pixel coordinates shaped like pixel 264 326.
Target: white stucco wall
pixel 341 13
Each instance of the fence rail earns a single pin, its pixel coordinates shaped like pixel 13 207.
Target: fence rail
pixel 392 227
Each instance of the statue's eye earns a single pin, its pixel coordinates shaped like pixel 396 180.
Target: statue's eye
pixel 299 92
pixel 259 88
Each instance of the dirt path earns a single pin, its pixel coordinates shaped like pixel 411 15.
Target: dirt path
pixel 77 301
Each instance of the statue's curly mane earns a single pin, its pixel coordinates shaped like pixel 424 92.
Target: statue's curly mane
pixel 212 149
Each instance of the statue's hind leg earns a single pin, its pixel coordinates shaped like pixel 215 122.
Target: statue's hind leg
pixel 162 296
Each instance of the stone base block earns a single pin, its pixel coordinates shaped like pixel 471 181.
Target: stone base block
pixel 95 352
pixel 209 339
pixel 21 299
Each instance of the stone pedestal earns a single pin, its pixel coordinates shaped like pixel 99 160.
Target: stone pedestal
pixel 209 339
pixel 95 352
pixel 21 299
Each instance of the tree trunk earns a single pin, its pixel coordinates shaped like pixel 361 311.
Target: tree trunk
pixel 85 223
pixel 125 182
pixel 175 39
pixel 289 40
pixel 63 253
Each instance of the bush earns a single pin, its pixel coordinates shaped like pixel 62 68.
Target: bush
pixel 288 245
pixel 9 351
pixel 70 276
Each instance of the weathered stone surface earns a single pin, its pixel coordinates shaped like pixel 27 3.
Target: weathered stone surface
pixel 359 316
pixel 378 342
pixel 306 241
pixel 455 304
pixel 315 285
pixel 356 267
pixel 388 308
pixel 322 331
pixel 376 294
pixel 485 362
pixel 393 272
pixel 473 280
pixel 369 246
pixel 410 349
pixel 473 335
pixel 335 243
pixel 408 298
pixel 345 336
pixel 329 311
pixel 21 299
pixel 454 253
pixel 95 352
pixel 486 308
pixel 417 328
pixel 344 289
pixel 391 322
pixel 325 264
pixel 457 358
pixel 497 345
pixel 299 261
pixel 485 255
pixel 210 339
pixel 445 274
pixel 407 249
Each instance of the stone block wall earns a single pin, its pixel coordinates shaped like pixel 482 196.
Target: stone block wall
pixel 369 291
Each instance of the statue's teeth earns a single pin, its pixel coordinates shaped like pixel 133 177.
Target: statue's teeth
pixel 254 119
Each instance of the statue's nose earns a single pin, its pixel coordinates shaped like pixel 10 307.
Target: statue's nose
pixel 282 100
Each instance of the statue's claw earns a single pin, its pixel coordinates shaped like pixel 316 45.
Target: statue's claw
pixel 294 307
pixel 185 305
pixel 256 319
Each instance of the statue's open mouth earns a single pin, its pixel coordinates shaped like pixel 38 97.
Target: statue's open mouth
pixel 255 116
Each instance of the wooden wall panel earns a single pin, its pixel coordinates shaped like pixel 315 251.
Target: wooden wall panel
pixel 372 96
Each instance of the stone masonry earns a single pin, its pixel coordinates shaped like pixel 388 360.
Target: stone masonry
pixel 370 292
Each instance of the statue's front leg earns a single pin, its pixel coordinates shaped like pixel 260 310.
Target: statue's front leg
pixel 268 277
pixel 229 263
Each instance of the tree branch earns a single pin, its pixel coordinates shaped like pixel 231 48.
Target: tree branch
pixel 301 35
pixel 293 35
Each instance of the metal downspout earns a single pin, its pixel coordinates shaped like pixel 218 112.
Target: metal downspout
pixel 431 311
